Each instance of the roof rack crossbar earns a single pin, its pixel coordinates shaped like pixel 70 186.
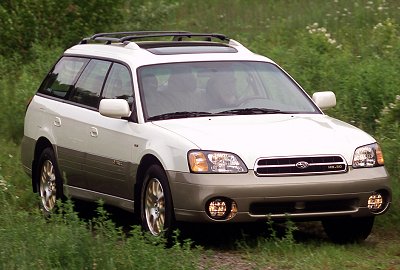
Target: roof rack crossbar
pixel 136 33
pixel 128 36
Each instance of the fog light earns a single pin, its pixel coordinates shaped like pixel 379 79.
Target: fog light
pixel 217 208
pixel 375 202
pixel 221 209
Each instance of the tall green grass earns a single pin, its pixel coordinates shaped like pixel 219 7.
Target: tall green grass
pixel 64 241
pixel 282 249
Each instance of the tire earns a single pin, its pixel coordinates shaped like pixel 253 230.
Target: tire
pixel 348 230
pixel 156 210
pixel 49 182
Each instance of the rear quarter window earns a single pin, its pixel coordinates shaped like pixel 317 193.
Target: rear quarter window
pixel 60 80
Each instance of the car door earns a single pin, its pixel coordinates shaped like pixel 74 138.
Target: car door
pixel 60 117
pixel 85 99
pixel 110 149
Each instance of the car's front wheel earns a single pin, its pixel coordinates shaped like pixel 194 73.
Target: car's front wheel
pixel 49 181
pixel 156 203
pixel 348 230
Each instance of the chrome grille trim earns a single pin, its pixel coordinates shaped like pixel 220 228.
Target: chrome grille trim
pixel 300 165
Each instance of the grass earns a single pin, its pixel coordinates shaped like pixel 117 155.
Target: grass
pixel 66 241
pixel 350 47
pixel 307 248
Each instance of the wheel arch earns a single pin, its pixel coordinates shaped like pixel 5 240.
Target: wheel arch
pixel 41 144
pixel 146 161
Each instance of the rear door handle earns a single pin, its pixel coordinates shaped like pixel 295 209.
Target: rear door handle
pixel 57 122
pixel 94 132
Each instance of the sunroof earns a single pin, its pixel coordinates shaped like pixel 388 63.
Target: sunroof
pixel 191 49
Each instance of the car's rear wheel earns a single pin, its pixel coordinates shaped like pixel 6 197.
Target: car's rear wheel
pixel 348 230
pixel 156 204
pixel 49 181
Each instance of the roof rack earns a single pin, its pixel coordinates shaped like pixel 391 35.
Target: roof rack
pixel 124 37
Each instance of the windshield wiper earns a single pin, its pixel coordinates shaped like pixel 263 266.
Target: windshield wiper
pixel 175 115
pixel 253 111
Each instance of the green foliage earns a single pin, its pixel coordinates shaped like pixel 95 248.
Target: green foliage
pixel 64 241
pixel 53 26
pixel 389 134
pixel 59 23
pixel 20 84
pixel 282 249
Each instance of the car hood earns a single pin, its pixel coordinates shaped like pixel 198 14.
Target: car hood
pixel 256 136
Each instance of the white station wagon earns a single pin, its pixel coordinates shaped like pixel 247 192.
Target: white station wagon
pixel 180 126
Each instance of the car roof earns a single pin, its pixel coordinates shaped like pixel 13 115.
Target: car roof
pixel 151 47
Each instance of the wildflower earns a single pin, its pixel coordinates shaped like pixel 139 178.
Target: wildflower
pixel 331 41
pixel 3 184
pixel 385 110
pixel 398 97
pixel 379 25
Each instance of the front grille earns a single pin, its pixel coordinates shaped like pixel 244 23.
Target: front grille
pixel 280 166
pixel 280 208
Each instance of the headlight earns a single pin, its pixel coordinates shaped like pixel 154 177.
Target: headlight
pixel 215 162
pixel 368 156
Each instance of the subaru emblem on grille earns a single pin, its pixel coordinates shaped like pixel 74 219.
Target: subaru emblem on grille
pixel 302 164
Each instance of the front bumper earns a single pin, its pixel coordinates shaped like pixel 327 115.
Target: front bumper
pixel 307 196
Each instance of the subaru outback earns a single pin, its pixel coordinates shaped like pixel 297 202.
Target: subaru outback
pixel 194 127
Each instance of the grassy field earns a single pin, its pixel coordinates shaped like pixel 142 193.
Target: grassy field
pixel 349 47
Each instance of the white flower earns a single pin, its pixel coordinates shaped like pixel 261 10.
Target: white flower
pixel 331 41
pixel 3 184
pixel 379 25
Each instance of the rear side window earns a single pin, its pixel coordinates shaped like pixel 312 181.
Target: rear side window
pixel 89 85
pixel 62 77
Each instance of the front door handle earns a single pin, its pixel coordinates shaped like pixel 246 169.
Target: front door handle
pixel 94 132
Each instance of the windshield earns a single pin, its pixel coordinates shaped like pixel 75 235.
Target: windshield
pixel 178 90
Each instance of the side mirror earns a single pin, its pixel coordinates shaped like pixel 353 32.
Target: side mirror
pixel 324 100
pixel 115 108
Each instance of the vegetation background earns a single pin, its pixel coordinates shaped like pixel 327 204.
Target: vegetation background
pixel 350 47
